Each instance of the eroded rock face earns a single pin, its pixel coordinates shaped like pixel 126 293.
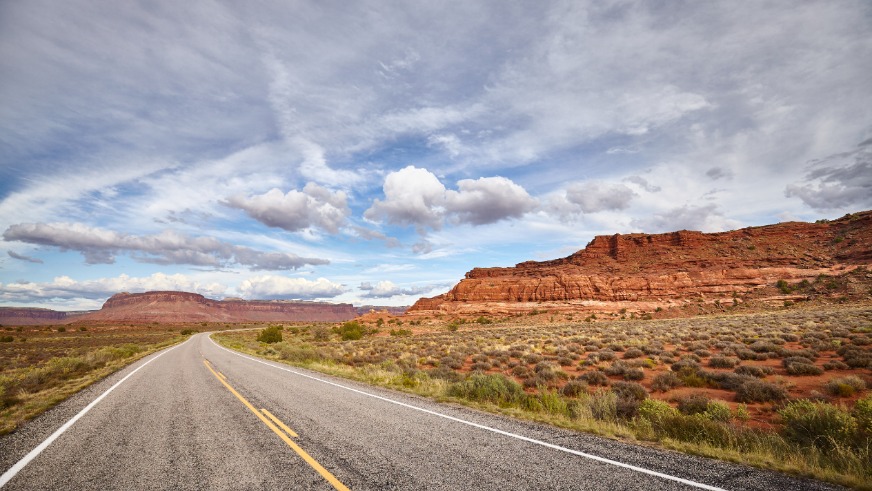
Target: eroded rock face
pixel 175 307
pixel 646 271
pixel 170 306
pixel 14 316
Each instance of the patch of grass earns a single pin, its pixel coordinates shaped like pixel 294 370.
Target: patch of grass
pixel 53 365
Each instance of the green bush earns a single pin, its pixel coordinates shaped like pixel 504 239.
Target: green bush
pixel 187 332
pixel 863 414
pixel 350 331
pixel 603 405
pixel 494 388
pixel 401 332
pixel 818 424
pixel 655 411
pixel 271 334
pixel 717 411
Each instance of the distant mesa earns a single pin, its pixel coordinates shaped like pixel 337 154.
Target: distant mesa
pixel 654 272
pixel 178 307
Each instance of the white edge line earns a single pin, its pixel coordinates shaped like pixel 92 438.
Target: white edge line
pixel 15 469
pixel 483 427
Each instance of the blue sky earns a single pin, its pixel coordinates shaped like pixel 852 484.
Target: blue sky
pixel 373 152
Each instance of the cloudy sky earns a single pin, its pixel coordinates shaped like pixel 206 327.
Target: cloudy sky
pixel 373 152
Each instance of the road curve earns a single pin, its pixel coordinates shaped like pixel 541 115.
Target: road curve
pixel 199 416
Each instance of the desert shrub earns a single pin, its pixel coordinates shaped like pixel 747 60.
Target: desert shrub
pixel 630 395
pixel 521 371
pixel 754 390
pixel 400 332
pixel 632 353
pixel 790 360
pixel 270 335
pixel 804 369
pixel 574 388
pixel 606 355
pixel 565 361
pixel 302 353
pixel 617 368
pixel 445 373
pixel 594 378
pixel 717 411
pixel 451 362
pixel 722 362
pixel 863 415
pixel 6 339
pixel 350 331
pixel 746 354
pixel 187 332
pixel 818 424
pixel 695 403
pixel 836 365
pixel 858 359
pixel 754 371
pixel 665 381
pixel 320 333
pixel 494 388
pixel 634 374
pixel 603 405
pixel 655 411
pixel 482 366
pixel 845 386
pixel 702 353
pixel 685 365
pixel 533 358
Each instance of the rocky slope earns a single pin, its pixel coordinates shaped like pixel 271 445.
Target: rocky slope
pixel 644 272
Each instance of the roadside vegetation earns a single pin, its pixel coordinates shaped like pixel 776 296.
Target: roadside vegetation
pixel 788 390
pixel 40 366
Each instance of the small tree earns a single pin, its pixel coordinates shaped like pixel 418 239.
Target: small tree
pixel 270 335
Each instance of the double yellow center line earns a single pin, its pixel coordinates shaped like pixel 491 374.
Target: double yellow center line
pixel 279 429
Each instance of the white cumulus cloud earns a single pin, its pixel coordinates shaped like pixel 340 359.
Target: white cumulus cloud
pixel 314 206
pixel 282 287
pixel 416 197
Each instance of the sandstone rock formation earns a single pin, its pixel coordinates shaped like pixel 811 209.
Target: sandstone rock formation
pixel 175 307
pixel 643 272
pixel 15 316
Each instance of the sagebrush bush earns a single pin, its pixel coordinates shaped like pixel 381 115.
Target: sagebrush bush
pixel 722 362
pixel 754 371
pixel 845 386
pixel 665 381
pixel 758 391
pixel 594 378
pixel 804 369
pixel 695 403
pixel 819 424
pixel 493 388
pixel 270 335
pixel 574 388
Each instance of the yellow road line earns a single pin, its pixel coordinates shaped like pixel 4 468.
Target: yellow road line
pixel 222 375
pixel 302 453
pixel 279 423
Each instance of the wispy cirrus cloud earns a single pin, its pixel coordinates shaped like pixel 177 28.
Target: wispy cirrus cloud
pixel 100 246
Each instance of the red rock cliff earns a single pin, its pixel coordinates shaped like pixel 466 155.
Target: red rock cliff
pixel 644 271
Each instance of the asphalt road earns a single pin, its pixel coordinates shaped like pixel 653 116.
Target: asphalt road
pixel 192 417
